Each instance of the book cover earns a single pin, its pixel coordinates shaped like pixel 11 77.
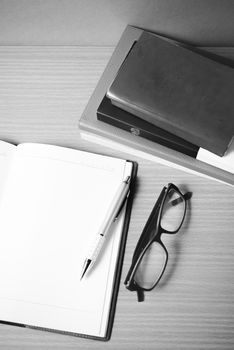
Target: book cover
pixel 178 90
pixel 113 115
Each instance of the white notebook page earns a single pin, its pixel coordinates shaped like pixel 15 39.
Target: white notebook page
pixel 54 202
pixel 6 151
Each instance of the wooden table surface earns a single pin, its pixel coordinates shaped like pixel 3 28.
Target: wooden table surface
pixel 43 91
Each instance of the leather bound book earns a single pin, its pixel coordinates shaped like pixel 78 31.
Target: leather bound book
pixel 178 90
pixel 115 116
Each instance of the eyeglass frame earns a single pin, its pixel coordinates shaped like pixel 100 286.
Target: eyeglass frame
pixel 145 242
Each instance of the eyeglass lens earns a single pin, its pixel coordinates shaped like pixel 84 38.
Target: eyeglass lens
pixel 151 266
pixel 173 211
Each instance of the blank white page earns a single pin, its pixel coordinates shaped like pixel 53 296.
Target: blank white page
pixel 6 151
pixel 54 202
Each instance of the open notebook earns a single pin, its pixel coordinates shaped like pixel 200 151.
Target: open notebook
pixel 52 202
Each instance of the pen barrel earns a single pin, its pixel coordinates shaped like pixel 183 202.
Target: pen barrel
pixel 119 198
pixel 95 247
pixel 99 239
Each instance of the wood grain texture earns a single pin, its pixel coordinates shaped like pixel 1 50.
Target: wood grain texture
pixel 43 91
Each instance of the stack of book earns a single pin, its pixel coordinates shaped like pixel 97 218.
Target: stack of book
pixel 175 101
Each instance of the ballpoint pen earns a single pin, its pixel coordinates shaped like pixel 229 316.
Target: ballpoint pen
pixel 111 215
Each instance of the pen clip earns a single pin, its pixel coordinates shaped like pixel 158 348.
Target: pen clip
pixel 122 205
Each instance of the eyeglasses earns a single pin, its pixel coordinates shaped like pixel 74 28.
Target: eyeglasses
pixel 150 256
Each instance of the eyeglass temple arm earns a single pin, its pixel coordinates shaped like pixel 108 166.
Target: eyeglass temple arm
pixel 178 200
pixel 148 223
pixel 140 295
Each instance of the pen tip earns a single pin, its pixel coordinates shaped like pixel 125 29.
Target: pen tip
pixel 85 268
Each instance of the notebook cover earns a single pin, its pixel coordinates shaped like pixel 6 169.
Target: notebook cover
pixel 117 273
pixel 178 90
pixel 115 116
